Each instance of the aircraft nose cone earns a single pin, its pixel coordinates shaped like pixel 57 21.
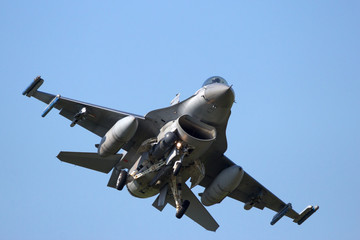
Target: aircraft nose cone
pixel 220 95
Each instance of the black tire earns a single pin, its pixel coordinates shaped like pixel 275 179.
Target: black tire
pixel 183 209
pixel 121 181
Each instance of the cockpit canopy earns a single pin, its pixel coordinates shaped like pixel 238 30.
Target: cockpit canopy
pixel 215 79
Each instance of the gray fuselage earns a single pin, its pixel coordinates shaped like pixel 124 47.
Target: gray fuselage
pixel 209 106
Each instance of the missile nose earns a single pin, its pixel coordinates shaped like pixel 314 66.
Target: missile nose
pixel 220 95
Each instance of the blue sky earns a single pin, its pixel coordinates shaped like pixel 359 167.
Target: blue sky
pixel 295 70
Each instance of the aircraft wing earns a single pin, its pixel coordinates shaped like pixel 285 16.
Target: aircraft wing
pixel 96 119
pixel 254 194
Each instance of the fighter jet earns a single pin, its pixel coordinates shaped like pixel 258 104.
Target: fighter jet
pixel 164 149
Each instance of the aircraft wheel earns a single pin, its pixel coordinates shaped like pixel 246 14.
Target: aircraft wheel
pixel 183 209
pixel 121 181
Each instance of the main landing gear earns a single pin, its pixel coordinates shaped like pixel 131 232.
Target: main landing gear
pixel 121 181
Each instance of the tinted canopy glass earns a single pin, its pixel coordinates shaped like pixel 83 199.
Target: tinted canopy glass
pixel 215 79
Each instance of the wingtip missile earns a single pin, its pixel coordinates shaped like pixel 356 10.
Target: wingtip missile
pixel 33 87
pixel 281 213
pixel 51 105
pixel 308 211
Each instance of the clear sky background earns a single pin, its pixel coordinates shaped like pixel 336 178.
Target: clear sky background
pixel 295 70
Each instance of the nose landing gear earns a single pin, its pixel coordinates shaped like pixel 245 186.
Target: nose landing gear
pixel 178 164
pixel 181 206
pixel 182 209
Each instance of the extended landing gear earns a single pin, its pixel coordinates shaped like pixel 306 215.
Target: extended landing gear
pixel 176 182
pixel 177 168
pixel 121 181
pixel 181 206
pixel 178 164
pixel 182 209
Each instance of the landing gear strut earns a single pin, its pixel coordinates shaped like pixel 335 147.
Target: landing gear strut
pixel 177 168
pixel 181 206
pixel 121 181
pixel 178 164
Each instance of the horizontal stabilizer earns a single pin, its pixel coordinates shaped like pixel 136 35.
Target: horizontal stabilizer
pixel 90 160
pixel 196 211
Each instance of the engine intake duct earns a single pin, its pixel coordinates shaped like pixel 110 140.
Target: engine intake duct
pixel 195 133
pixel 195 129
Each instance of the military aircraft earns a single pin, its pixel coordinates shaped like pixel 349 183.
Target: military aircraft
pixel 165 148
